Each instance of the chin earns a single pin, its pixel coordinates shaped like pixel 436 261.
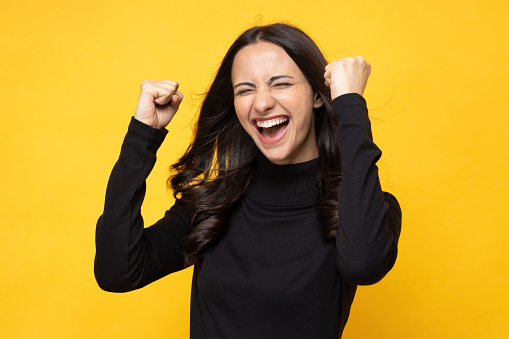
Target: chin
pixel 276 157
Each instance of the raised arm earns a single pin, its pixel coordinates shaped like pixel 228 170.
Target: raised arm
pixel 370 220
pixel 129 256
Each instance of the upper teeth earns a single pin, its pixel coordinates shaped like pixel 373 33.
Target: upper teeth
pixel 270 123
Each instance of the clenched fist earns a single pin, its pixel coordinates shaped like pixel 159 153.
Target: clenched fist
pixel 158 102
pixel 348 75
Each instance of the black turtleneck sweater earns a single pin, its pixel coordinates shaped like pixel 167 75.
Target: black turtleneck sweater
pixel 272 274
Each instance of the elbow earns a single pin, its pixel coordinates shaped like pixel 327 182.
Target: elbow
pixel 367 261
pixel 106 283
pixel 109 281
pixel 368 270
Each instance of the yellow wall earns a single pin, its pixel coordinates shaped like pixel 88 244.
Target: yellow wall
pixel 70 74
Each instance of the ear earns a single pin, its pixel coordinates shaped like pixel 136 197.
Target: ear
pixel 317 100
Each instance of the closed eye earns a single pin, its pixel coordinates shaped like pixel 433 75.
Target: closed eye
pixel 283 84
pixel 243 91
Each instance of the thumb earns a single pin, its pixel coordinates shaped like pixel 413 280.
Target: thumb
pixel 176 99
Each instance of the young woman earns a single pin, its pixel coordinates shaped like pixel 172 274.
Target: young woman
pixel 278 202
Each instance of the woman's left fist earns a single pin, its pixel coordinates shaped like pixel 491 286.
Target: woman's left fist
pixel 348 75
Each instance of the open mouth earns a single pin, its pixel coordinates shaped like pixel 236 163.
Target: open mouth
pixel 272 130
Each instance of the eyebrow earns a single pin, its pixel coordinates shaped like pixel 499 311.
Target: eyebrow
pixel 271 80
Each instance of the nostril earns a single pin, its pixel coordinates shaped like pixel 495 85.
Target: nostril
pixel 264 101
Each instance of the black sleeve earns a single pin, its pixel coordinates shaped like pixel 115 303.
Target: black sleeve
pixel 370 220
pixel 129 256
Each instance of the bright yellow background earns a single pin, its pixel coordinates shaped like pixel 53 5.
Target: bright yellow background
pixel 70 74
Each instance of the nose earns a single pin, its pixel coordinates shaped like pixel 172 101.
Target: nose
pixel 263 100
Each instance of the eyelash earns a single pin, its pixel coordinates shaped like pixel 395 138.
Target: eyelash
pixel 281 84
pixel 244 91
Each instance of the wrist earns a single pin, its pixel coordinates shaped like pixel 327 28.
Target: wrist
pixel 342 91
pixel 148 122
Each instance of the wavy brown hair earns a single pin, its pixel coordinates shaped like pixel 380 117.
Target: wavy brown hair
pixel 212 176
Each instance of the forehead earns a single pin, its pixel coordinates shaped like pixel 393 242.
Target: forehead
pixel 262 60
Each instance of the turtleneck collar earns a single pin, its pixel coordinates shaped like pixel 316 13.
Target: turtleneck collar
pixel 284 185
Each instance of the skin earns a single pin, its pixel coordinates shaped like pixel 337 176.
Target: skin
pixel 348 75
pixel 268 84
pixel 160 100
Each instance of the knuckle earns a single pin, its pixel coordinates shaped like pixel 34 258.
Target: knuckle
pixel 145 83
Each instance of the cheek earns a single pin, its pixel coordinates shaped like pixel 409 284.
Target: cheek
pixel 305 121
pixel 302 112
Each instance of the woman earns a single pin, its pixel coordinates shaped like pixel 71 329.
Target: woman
pixel 279 206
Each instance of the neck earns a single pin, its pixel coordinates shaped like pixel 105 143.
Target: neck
pixel 284 185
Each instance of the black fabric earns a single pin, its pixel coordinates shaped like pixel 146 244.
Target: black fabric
pixel 272 274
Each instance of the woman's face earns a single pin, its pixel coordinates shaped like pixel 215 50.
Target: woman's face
pixel 275 103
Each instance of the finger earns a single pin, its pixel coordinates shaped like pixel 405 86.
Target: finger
pixel 162 96
pixel 178 96
pixel 176 100
pixel 326 75
pixel 151 93
pixel 161 92
pixel 334 63
pixel 151 86
pixel 360 59
pixel 169 84
pixel 330 65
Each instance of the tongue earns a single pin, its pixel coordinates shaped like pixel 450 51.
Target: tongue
pixel 271 132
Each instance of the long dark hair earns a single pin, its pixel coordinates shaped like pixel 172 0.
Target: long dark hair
pixel 211 177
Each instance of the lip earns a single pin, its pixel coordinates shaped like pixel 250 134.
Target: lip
pixel 281 134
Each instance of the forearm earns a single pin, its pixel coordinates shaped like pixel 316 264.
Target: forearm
pixel 127 255
pixel 370 220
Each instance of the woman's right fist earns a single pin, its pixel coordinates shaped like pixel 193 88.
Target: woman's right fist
pixel 158 102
